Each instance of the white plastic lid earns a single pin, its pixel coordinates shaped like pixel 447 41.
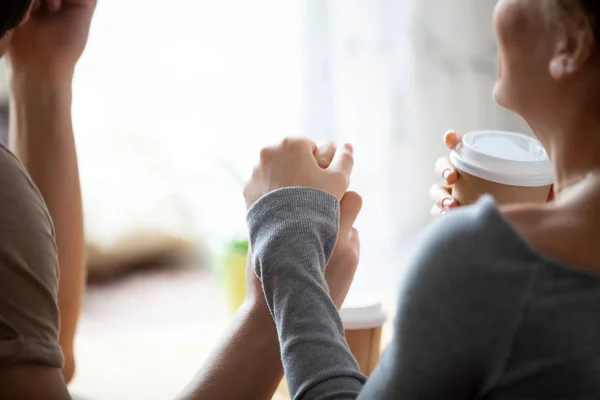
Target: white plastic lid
pixel 504 157
pixel 362 315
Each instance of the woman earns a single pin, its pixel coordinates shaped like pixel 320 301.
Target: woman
pixel 499 303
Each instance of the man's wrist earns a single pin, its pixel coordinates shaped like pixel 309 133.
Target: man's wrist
pixel 24 79
pixel 40 107
pixel 27 88
pixel 256 309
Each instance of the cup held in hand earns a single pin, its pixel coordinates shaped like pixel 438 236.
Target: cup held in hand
pixel 511 167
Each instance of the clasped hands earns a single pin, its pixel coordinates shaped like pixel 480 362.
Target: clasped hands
pixel 301 163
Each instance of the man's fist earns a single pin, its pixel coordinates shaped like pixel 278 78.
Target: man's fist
pixel 293 163
pixel 53 40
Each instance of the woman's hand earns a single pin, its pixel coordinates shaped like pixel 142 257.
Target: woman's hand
pixel 293 163
pixel 441 195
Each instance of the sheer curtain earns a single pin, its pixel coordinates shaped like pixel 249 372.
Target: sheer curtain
pixel 170 100
pixel 398 74
pixel 365 62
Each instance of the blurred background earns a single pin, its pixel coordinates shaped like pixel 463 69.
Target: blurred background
pixel 173 101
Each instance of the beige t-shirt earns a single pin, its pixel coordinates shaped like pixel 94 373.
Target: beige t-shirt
pixel 29 316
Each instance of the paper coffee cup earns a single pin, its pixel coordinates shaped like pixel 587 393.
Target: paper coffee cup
pixel 512 167
pixel 363 323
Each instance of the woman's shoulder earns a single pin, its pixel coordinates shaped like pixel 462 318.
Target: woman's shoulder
pixel 479 230
pixel 467 258
pixel 473 245
pixel 559 235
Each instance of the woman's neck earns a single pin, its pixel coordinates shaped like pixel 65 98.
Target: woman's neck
pixel 574 148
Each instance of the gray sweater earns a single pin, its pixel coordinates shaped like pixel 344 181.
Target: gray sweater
pixel 481 314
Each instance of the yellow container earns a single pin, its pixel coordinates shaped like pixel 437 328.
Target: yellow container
pixel 235 274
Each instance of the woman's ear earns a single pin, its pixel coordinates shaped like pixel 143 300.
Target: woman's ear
pixel 573 49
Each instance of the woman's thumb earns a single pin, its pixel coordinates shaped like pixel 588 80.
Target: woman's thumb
pixel 350 207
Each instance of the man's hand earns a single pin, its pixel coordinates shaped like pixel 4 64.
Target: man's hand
pixel 340 271
pixel 293 163
pixel 52 41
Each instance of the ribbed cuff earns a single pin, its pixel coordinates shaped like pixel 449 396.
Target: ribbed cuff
pixel 284 216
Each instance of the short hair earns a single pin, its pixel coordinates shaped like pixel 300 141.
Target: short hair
pixel 12 13
pixel 592 9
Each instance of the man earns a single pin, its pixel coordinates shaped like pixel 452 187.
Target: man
pixel 42 259
pixel 42 52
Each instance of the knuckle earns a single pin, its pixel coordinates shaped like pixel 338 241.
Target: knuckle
pixel 285 142
pixel 265 153
pixel 289 143
pixel 295 144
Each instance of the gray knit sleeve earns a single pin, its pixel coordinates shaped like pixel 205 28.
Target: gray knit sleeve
pixel 458 311
pixel 459 308
pixel 293 232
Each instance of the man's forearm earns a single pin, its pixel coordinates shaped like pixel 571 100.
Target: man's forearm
pixel 247 365
pixel 41 135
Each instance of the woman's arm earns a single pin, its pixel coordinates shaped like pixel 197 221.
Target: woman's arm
pixel 293 216
pixel 293 232
pixel 250 351
pixel 459 308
